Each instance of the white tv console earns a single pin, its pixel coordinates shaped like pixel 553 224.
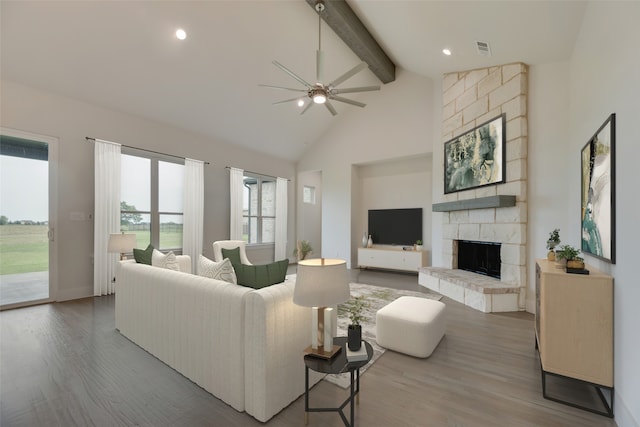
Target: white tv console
pixel 392 258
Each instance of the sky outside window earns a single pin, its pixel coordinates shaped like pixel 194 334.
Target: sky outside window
pixel 24 189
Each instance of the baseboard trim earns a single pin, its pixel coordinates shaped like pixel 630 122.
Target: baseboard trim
pixel 74 293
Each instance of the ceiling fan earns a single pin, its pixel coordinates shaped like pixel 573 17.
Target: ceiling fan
pixel 320 93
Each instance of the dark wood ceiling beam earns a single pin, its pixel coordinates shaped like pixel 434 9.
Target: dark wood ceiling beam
pixel 341 18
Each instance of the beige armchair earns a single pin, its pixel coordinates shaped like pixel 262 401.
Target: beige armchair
pixel 230 244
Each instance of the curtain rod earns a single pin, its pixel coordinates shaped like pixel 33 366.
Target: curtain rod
pixel 88 138
pixel 258 173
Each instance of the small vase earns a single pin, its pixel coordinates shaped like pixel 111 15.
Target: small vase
pixel 354 337
pixel 364 240
pixel 551 256
pixel 369 242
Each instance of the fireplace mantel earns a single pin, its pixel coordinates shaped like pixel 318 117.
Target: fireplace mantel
pixel 479 203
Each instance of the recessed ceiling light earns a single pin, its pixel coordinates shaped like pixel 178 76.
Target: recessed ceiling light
pixel 300 102
pixel 446 52
pixel 181 34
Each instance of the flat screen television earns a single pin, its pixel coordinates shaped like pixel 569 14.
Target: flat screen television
pixel 395 226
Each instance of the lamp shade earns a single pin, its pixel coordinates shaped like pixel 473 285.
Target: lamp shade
pixel 321 283
pixel 121 243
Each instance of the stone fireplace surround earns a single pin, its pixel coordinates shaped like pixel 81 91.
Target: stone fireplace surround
pixel 470 98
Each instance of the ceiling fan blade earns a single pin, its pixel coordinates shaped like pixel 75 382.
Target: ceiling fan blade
pixel 309 105
pixel 330 108
pixel 319 65
pixel 286 100
pixel 284 88
pixel 352 72
pixel 348 101
pixel 292 74
pixel 355 89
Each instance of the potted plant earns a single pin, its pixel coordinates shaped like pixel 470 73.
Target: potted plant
pixel 552 242
pixel 303 248
pixel 355 308
pixel 418 245
pixel 571 255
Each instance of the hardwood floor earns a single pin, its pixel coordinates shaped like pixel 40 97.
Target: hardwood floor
pixel 64 364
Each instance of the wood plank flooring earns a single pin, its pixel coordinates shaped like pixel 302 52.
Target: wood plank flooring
pixel 64 364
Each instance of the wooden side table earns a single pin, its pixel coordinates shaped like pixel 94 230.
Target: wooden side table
pixel 336 365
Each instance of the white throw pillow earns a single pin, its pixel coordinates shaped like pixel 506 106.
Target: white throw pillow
pixel 222 270
pixel 168 261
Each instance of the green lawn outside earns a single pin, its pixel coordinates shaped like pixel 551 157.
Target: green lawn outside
pixel 168 239
pixel 23 248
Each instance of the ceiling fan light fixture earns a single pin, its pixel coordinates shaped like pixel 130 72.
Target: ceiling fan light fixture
pixel 319 98
pixel 321 93
pixel 318 94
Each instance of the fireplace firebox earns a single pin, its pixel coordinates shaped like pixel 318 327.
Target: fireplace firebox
pixel 479 257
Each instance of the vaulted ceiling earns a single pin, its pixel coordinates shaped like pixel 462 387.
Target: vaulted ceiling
pixel 125 56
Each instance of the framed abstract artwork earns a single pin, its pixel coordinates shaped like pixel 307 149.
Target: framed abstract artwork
pixel 476 158
pixel 598 172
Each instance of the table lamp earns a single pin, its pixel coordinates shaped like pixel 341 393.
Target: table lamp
pixel 321 283
pixel 121 243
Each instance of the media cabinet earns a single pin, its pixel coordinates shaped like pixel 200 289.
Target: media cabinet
pixel 392 258
pixel 574 329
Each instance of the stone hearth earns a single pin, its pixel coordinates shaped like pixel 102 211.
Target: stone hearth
pixel 481 292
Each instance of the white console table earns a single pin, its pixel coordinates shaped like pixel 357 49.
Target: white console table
pixel 392 258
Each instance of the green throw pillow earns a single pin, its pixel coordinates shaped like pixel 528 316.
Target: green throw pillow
pixel 261 276
pixel 256 276
pixel 143 256
pixel 233 255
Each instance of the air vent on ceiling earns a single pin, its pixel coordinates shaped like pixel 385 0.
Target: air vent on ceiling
pixel 483 48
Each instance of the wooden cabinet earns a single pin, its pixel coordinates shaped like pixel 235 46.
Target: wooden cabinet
pixel 392 258
pixel 574 323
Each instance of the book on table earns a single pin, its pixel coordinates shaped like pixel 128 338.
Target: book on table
pixel 355 356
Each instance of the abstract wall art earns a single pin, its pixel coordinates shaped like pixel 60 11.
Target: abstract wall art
pixel 476 158
pixel 598 193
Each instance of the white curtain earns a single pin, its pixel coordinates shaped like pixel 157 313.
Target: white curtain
pixel 280 251
pixel 235 189
pixel 106 215
pixel 193 210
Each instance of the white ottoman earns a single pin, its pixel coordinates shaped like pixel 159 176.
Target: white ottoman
pixel 411 325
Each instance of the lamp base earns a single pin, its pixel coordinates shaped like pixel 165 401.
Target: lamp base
pixel 319 352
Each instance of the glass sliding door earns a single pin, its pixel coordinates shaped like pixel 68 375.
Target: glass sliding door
pixel 26 233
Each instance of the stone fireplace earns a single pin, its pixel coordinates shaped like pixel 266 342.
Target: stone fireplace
pixel 494 214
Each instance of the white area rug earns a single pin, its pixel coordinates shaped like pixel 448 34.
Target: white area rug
pixel 377 297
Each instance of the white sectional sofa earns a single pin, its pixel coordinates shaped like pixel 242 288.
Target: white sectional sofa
pixel 242 345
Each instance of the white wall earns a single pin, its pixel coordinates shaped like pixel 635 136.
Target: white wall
pixel 437 176
pixel 604 79
pixel 309 220
pixel 32 110
pixel 395 124
pixel 550 153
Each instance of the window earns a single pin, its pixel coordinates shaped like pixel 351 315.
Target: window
pixel 259 209
pixel 151 199
pixel 309 195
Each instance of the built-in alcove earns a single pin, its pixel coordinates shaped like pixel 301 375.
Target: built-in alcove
pixel 479 257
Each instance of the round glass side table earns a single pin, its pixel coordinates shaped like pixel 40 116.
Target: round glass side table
pixel 336 365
